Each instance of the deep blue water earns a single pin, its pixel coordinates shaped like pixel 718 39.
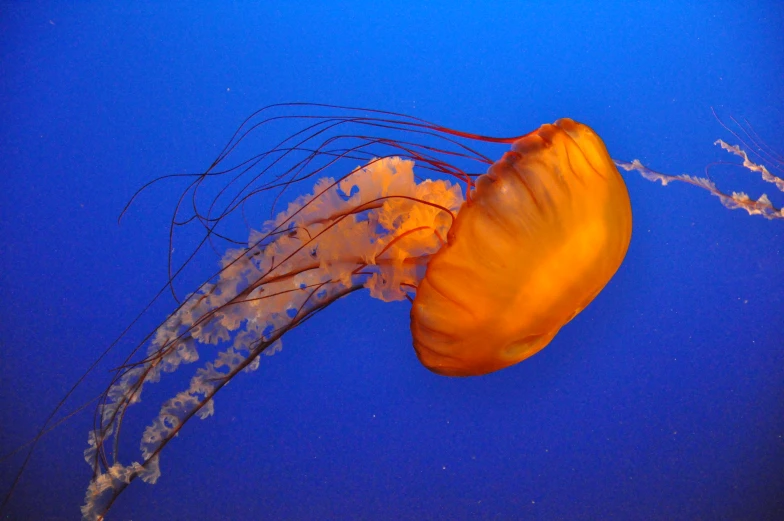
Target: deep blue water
pixel 662 400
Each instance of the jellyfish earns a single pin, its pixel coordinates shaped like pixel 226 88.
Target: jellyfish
pixel 493 268
pixel 495 257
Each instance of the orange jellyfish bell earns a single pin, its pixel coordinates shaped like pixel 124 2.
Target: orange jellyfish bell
pixel 543 232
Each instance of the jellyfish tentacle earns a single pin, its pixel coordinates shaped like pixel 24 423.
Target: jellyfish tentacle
pixel 735 200
pixel 749 140
pixel 364 230
pixel 750 165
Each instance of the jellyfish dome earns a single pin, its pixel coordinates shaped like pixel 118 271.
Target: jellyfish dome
pixel 547 227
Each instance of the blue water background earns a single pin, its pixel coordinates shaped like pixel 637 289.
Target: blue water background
pixel 664 399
